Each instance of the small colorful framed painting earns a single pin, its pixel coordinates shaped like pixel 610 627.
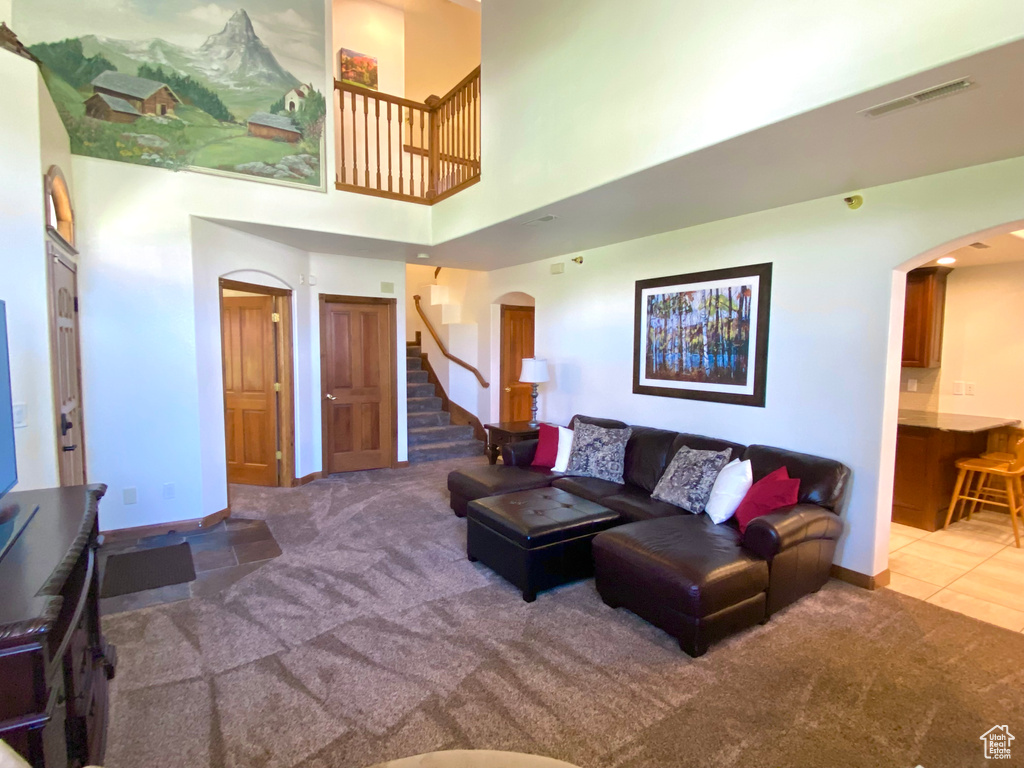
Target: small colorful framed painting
pixel 704 336
pixel 357 69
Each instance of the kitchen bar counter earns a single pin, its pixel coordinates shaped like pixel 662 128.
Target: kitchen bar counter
pixel 928 446
pixel 952 422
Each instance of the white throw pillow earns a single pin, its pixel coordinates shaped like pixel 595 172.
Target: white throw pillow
pixel 9 758
pixel 564 449
pixel 730 487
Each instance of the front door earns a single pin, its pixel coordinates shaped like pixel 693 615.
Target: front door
pixel 250 400
pixel 356 339
pixel 66 368
pixel 516 343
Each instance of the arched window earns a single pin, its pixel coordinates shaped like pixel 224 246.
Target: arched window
pixel 59 215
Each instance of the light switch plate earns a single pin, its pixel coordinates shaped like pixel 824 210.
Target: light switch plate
pixel 558 268
pixel 387 287
pixel 168 490
pixel 131 495
pixel 958 387
pixel 20 415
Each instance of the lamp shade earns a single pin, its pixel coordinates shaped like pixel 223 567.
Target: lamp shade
pixel 535 370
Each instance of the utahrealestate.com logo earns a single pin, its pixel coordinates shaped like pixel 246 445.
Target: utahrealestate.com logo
pixel 997 742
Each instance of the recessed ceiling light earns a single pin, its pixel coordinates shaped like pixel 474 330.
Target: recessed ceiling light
pixel 946 260
pixel 1019 233
pixel 422 255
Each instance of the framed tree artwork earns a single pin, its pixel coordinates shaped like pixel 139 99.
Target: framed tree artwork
pixel 704 336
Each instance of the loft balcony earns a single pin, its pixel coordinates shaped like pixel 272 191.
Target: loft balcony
pixel 392 147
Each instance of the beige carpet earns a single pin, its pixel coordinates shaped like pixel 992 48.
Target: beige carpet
pixel 372 638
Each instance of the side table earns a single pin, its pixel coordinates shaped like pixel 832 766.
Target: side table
pixel 506 432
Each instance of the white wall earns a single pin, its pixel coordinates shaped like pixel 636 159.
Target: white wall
pixel 442 46
pixel 26 152
pixel 639 83
pixel 833 371
pixel 982 342
pixel 5 11
pixel 377 30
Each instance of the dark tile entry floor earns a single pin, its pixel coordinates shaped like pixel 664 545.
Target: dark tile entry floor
pixel 221 555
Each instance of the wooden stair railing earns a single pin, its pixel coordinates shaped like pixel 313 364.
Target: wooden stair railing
pixel 401 149
pixel 444 349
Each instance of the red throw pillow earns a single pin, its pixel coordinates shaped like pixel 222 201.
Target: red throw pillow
pixel 547 448
pixel 768 494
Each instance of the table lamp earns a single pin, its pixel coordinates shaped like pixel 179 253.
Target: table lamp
pixel 534 372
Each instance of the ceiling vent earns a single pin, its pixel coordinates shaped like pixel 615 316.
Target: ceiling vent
pixel 913 99
pixel 980 246
pixel 540 220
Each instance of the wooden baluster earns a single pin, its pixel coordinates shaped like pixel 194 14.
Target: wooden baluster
pixel 355 151
pixel 377 103
pixel 473 130
pixel 366 139
pixel 401 148
pixel 462 135
pixel 341 130
pixel 433 165
pixel 389 148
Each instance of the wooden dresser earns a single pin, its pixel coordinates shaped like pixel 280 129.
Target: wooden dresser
pixel 54 663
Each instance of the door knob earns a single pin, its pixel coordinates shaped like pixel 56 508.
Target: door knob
pixel 508 389
pixel 329 396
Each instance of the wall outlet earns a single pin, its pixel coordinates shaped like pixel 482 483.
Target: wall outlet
pixel 911 385
pixel 20 415
pixel 131 495
pixel 958 387
pixel 970 387
pixel 168 490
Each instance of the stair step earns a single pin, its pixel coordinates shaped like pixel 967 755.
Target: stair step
pixel 423 389
pixel 419 404
pixel 414 363
pixel 413 350
pixel 416 377
pixel 451 450
pixel 448 433
pixel 428 419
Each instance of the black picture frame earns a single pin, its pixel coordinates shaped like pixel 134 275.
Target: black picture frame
pixel 752 392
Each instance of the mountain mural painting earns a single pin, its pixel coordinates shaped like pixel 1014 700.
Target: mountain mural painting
pixel 190 97
pixel 704 336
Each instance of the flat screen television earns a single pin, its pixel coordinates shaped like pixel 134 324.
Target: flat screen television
pixel 8 463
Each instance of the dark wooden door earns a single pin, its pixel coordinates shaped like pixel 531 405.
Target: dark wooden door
pixel 66 368
pixel 516 343
pixel 250 399
pixel 357 340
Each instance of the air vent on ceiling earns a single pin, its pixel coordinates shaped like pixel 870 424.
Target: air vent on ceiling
pixel 913 99
pixel 540 220
pixel 980 246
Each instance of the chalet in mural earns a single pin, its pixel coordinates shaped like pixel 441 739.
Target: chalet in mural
pixel 263 125
pixel 110 108
pixel 294 99
pixel 148 97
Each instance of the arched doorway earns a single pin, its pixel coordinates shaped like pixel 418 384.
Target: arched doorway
pixel 60 216
pixel 953 392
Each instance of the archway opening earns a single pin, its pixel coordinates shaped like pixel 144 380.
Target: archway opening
pixel 60 216
pixel 952 399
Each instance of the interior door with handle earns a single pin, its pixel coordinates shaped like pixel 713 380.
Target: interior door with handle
pixel 66 368
pixel 516 343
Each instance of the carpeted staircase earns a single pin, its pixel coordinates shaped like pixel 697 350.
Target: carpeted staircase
pixel 432 436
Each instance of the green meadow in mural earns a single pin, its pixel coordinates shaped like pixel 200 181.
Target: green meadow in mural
pixel 187 84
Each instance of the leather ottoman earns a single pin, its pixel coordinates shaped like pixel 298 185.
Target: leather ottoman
pixel 537 539
pixel 684 574
pixel 472 483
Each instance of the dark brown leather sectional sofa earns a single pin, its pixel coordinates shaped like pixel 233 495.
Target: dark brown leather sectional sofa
pixel 696 580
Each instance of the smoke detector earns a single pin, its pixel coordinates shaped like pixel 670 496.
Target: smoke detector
pixel 920 97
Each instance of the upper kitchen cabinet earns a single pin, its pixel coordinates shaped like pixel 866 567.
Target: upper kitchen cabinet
pixel 923 316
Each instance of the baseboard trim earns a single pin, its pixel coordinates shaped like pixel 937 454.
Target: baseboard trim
pixel 306 479
pixel 160 529
pixel 400 465
pixel 861 580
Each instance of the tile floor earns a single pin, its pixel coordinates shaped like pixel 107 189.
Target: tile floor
pixel 972 568
pixel 221 556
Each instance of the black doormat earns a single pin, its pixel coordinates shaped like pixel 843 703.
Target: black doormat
pixel 148 569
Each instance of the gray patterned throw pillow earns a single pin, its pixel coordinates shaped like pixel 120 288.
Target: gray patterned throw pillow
pixel 689 478
pixel 598 452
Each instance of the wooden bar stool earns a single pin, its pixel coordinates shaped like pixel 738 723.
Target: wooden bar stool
pixel 977 483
